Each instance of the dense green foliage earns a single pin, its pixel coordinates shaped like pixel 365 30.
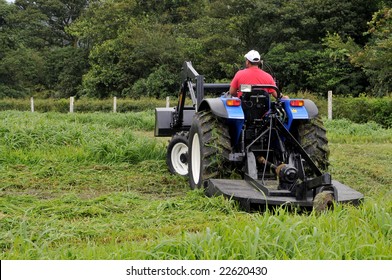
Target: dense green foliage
pixel 363 110
pixel 136 48
pixel 96 186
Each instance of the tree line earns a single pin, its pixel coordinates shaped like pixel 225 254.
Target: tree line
pixel 133 48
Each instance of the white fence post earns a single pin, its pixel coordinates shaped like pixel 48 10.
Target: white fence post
pixel 32 104
pixel 330 104
pixel 114 104
pixel 167 102
pixel 71 104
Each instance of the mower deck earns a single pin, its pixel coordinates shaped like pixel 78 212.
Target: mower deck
pixel 250 197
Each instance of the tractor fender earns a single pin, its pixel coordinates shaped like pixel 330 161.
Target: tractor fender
pixel 311 108
pixel 215 105
pixel 308 111
pixel 219 108
pixel 233 115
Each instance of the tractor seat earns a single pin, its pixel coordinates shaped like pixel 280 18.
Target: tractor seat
pixel 255 104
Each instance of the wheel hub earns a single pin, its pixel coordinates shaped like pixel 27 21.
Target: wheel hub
pixel 184 158
pixel 179 158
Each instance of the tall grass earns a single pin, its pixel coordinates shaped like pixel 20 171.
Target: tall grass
pixel 346 233
pixel 94 137
pixel 345 131
pixel 96 186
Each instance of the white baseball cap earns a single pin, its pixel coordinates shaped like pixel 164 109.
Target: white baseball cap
pixel 253 56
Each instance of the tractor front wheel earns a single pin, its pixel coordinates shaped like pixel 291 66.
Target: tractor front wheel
pixel 177 154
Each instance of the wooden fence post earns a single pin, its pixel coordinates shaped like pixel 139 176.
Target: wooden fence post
pixel 71 104
pixel 32 104
pixel 114 104
pixel 330 104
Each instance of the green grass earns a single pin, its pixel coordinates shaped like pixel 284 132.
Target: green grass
pixel 96 186
pixel 345 131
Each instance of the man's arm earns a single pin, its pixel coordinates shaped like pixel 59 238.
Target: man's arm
pixel 233 91
pixel 234 85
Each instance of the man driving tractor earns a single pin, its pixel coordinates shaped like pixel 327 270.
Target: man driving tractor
pixel 251 75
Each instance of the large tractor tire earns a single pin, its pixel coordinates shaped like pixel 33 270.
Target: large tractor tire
pixel 312 136
pixel 177 154
pixel 209 148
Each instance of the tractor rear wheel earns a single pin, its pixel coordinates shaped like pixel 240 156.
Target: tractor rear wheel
pixel 209 148
pixel 177 154
pixel 312 136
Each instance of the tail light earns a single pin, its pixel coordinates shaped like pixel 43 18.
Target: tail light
pixel 233 102
pixel 297 103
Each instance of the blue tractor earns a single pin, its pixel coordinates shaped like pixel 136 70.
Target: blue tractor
pixel 257 151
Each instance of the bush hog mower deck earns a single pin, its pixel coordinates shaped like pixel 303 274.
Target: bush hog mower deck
pixel 277 151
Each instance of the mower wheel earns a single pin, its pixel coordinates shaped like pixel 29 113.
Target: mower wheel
pixel 177 154
pixel 209 148
pixel 323 201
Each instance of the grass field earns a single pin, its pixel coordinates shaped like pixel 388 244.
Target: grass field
pixel 96 186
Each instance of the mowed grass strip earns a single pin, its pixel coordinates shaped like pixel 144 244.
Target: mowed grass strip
pixel 96 186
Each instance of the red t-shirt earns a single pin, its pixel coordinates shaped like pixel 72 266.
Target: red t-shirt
pixel 252 76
